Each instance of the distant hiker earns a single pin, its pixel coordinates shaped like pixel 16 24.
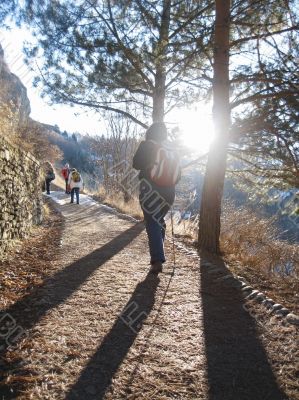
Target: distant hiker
pixel 49 175
pixel 75 183
pixel 65 172
pixel 159 172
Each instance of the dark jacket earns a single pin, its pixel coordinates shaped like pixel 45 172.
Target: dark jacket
pixel 143 160
pixel 48 171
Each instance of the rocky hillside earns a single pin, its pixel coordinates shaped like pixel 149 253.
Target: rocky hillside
pixel 13 93
pixel 15 121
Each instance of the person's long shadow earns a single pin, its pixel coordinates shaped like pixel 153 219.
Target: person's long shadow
pixel 61 285
pixel 237 363
pixel 96 377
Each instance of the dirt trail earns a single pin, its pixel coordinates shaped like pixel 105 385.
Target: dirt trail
pixel 105 328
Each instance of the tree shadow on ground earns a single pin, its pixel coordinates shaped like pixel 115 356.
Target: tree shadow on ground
pixel 97 375
pixel 237 363
pixel 25 313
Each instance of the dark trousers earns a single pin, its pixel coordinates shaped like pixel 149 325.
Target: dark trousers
pixel 155 206
pixel 66 185
pixel 48 181
pixel 155 230
pixel 73 192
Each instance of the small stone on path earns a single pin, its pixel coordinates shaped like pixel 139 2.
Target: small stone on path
pixel 293 319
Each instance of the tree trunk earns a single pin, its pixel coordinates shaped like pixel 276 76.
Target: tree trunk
pixel 161 53
pixel 210 210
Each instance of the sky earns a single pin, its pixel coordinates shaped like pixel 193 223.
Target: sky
pixel 62 115
pixel 195 122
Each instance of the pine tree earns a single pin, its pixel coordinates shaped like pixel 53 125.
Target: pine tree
pixel 264 92
pixel 7 8
pixel 140 59
pixel 210 211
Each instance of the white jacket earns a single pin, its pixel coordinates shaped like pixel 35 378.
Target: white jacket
pixel 73 184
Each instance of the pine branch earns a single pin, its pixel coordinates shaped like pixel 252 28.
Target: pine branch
pixel 264 35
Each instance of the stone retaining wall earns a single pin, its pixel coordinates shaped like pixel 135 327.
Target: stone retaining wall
pixel 20 194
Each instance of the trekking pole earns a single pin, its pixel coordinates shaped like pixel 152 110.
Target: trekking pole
pixel 173 246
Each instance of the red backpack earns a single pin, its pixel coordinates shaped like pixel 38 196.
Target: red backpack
pixel 65 172
pixel 166 170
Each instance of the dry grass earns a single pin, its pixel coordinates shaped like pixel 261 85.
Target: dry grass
pixel 254 241
pixel 187 228
pixel 29 135
pixel 117 201
pixel 46 210
pixel 252 248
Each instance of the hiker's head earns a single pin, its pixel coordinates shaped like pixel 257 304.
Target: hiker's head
pixel 157 131
pixel 73 169
pixel 47 164
pixel 67 165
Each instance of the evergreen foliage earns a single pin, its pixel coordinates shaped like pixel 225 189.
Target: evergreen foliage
pixel 137 58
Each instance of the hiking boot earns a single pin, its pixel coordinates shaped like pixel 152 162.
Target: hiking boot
pixel 156 267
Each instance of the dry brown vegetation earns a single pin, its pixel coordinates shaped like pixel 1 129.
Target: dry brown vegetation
pixel 117 201
pixel 251 246
pixel 254 240
pixel 31 136
pixel 19 278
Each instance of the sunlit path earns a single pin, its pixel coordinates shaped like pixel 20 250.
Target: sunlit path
pixel 106 329
pixel 103 267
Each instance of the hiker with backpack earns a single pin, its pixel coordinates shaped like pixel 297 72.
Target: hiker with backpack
pixel 75 183
pixel 49 175
pixel 65 172
pixel 159 172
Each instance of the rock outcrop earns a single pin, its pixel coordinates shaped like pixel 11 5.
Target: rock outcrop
pixel 13 93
